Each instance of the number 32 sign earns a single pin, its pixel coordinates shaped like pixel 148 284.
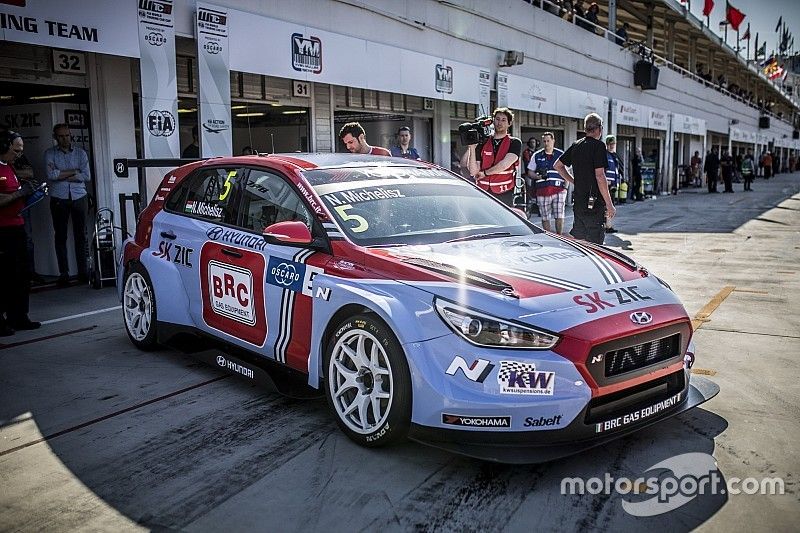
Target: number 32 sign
pixel 69 62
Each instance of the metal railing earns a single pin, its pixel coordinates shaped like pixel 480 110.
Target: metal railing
pixel 555 10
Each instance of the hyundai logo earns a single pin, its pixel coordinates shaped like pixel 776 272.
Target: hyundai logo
pixel 220 360
pixel 214 233
pixel 641 318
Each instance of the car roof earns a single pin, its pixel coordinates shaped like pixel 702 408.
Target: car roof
pixel 312 161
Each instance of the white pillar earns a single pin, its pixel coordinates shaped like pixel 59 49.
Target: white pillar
pixel 441 133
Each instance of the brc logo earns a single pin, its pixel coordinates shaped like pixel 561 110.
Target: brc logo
pixel 231 290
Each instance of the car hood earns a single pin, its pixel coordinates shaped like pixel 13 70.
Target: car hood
pixel 521 267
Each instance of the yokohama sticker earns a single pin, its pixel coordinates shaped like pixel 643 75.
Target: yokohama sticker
pixel 477 421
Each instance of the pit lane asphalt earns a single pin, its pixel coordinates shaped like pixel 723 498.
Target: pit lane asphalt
pixel 95 435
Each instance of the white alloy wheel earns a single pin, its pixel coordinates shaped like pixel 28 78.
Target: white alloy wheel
pixel 138 306
pixel 360 381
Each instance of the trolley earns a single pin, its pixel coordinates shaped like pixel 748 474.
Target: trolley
pixel 104 245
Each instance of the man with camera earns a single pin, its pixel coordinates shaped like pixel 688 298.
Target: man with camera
pixel 593 207
pixel 493 165
pixel 548 186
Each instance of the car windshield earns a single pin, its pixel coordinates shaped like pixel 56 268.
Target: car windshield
pixel 395 206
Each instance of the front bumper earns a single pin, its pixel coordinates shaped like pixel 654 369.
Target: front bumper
pixel 525 447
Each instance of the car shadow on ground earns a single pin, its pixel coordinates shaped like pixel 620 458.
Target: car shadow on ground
pixel 233 456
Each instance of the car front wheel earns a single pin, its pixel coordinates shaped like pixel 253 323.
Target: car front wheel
pixel 368 385
pixel 139 308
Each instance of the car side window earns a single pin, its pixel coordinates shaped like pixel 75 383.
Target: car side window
pixel 268 198
pixel 211 194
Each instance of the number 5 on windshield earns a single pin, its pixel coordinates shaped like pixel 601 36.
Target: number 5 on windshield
pixel 363 225
pixel 224 194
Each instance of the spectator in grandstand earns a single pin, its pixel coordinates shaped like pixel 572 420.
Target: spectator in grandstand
pixel 622 34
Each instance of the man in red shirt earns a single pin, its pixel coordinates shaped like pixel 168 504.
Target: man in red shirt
pixel 355 140
pixel 14 271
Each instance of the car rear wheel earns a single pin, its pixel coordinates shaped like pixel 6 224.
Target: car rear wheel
pixel 139 308
pixel 368 384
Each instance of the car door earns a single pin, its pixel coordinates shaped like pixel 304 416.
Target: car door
pixel 222 277
pixel 268 197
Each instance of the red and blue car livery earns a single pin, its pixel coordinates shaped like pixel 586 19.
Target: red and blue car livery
pixel 418 304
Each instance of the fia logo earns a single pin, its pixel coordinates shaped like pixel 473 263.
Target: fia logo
pixel 306 53
pixel 160 123
pixel 444 79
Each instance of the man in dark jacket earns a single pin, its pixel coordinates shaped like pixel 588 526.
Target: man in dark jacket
pixel 636 175
pixel 726 163
pixel 711 169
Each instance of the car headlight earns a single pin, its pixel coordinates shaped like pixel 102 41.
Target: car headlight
pixel 485 330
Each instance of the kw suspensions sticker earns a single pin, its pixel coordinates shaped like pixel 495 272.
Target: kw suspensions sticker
pixel 233 292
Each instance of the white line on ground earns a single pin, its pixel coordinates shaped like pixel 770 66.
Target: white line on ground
pixel 98 311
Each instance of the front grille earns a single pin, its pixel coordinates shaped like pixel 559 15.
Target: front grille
pixel 630 358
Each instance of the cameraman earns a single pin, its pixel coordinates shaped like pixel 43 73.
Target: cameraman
pixel 550 188
pixel 494 165
pixel 593 206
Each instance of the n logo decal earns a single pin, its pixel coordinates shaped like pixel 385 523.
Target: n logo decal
pixel 477 371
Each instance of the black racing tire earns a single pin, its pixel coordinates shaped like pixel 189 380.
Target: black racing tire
pixel 367 382
pixel 139 309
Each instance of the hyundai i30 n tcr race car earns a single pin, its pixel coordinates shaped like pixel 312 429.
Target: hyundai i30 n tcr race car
pixel 421 306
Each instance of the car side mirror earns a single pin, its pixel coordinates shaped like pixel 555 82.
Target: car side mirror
pixel 293 232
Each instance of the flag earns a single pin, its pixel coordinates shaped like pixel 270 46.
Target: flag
pixel 778 27
pixel 776 73
pixel 708 7
pixel 762 51
pixel 746 33
pixel 733 16
pixel 784 40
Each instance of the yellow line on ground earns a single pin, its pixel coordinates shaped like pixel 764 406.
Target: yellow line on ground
pixel 703 314
pixel 751 291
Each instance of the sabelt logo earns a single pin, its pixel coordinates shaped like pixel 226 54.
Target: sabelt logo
pixel 477 421
pixel 231 290
pixel 155 38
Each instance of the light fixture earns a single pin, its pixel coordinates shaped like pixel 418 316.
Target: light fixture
pixel 51 96
pixel 239 107
pixel 250 114
pixel 6 97
pixel 295 112
pixel 192 110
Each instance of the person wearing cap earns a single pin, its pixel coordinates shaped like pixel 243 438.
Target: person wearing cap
pixel 404 148
pixel 613 173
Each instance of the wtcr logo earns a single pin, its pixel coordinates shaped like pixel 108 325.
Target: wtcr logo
pixel 674 482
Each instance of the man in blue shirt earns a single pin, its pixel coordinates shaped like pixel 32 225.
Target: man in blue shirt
pixel 67 175
pixel 404 148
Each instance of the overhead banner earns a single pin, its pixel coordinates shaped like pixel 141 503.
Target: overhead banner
pixel 214 81
pixel 502 90
pixel 300 52
pixel 528 94
pixel 658 119
pixel 107 27
pixel 686 124
pixel 485 77
pixel 578 104
pixel 159 90
pixel 630 114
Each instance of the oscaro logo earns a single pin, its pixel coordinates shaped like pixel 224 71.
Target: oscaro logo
pixel 221 360
pixel 285 274
pixel 155 39
pixel 212 47
pixel 214 233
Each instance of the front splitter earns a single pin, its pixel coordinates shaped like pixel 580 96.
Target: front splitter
pixel 700 391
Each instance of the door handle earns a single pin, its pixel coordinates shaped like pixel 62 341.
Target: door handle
pixel 231 253
pixel 168 235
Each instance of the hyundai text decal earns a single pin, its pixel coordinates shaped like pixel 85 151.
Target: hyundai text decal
pixel 477 371
pixel 254 242
pixel 595 301
pixel 306 53
pixel 235 367
pixel 296 277
pixel 444 79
